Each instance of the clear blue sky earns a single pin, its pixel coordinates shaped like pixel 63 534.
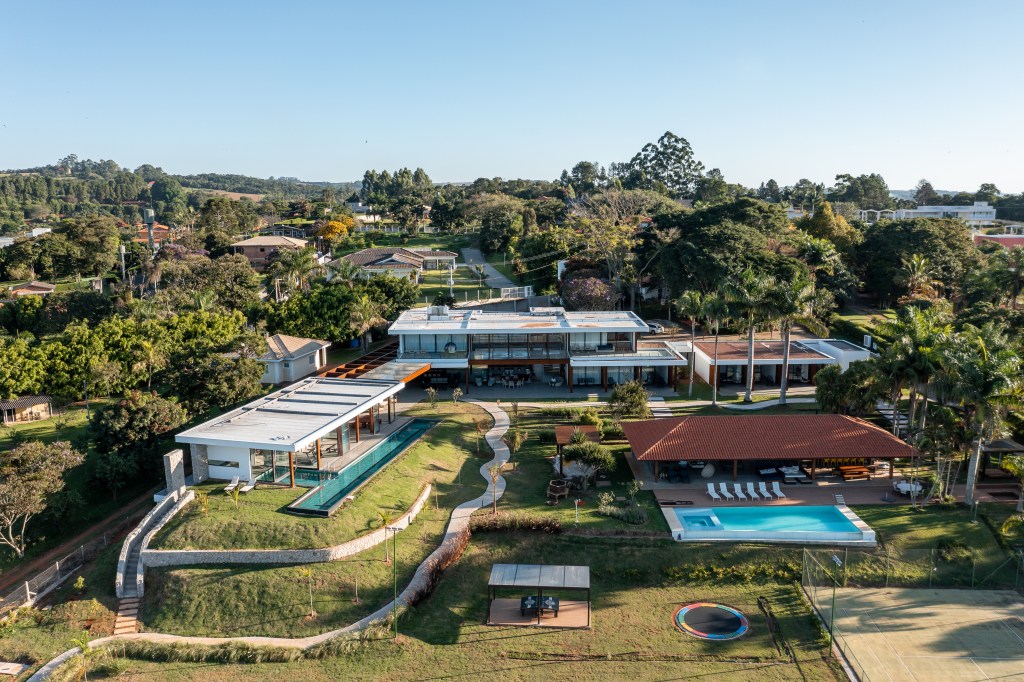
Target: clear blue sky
pixel 519 89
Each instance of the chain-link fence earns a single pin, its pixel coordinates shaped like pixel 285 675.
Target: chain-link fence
pixel 28 592
pixel 825 571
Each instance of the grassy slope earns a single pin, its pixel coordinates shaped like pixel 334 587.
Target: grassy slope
pixel 261 522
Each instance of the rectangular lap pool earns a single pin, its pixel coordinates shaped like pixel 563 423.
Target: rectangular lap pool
pixel 328 496
pixel 791 523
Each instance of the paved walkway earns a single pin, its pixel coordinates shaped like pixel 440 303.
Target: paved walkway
pixel 495 279
pixel 458 524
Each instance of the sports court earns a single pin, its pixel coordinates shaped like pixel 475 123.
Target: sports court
pixel 904 634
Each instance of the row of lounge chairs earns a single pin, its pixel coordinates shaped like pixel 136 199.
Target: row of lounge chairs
pixel 242 487
pixel 762 491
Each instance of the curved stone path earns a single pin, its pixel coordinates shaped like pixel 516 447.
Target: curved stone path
pixel 458 523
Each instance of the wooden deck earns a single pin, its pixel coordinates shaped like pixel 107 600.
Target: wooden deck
pixel 572 614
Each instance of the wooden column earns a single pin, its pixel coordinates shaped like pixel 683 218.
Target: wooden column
pixel 391 404
pixel 735 466
pixel 317 453
pixel 373 422
pixel 337 435
pixel 291 468
pixel 604 378
pixel 892 467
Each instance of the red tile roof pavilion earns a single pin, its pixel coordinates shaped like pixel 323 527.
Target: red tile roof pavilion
pixel 769 437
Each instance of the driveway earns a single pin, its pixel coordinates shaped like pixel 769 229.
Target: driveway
pixel 495 279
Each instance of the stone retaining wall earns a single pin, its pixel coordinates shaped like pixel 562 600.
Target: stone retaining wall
pixel 160 523
pixel 130 539
pixel 191 557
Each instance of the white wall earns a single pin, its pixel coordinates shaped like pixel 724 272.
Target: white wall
pixel 227 453
pixel 702 367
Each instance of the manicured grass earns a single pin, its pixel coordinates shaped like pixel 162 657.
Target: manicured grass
pixel 505 268
pixel 67 423
pixel 531 469
pixel 466 285
pixel 445 456
pixel 637 586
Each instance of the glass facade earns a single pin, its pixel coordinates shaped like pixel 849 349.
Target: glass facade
pixel 518 347
pixel 434 345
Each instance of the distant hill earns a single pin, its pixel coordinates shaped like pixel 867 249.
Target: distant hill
pixel 909 193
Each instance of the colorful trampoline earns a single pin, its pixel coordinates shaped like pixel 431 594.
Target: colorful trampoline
pixel 711 621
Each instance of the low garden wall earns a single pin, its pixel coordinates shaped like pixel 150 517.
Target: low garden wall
pixel 184 557
pixel 133 536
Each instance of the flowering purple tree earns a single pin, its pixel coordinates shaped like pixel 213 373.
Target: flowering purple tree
pixel 588 293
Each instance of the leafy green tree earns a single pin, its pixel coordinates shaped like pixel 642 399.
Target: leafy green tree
pixel 364 315
pixel 134 424
pixel 115 470
pixel 888 244
pixel 825 224
pixel 867 191
pixel 323 312
pixel 630 400
pixel 501 223
pixel 295 267
pixel 588 293
pixel 592 455
pixel 690 306
pixel 792 302
pixel 925 194
pixel 215 380
pixel 22 368
pixel 30 474
pixel 667 166
pixel 392 294
pixel 851 392
pixel 96 239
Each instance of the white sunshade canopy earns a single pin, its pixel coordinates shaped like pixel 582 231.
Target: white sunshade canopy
pixel 290 419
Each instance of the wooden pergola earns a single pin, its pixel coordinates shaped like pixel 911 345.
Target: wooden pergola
pixel 534 579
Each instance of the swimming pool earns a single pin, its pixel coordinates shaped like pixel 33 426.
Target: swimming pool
pixel 328 496
pixel 789 523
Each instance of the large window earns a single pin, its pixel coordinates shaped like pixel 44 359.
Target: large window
pixel 434 345
pixel 518 346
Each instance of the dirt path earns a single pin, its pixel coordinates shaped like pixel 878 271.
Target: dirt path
pixel 135 509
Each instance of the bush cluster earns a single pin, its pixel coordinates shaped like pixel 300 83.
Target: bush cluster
pixel 633 515
pixel 514 521
pixel 776 570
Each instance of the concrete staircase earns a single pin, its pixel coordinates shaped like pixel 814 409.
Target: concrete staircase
pixel 131 566
pixel 127 621
pixel 659 408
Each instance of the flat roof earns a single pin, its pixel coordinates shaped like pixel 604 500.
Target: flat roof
pixel 290 419
pixel 540 576
pixel 537 320
pixel 768 436
pixel 763 351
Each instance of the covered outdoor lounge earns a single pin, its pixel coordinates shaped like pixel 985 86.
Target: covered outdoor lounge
pixel 992 459
pixel 534 595
pixel 764 444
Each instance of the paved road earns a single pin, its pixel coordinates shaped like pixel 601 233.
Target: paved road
pixel 494 278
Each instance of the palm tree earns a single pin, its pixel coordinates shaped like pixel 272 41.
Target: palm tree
pixel 715 313
pixel 1008 271
pixel 894 370
pixel 920 277
pixel 364 315
pixel 984 375
pixel 689 306
pixel 344 271
pixel 151 358
pixel 750 299
pixel 792 303
pixel 296 267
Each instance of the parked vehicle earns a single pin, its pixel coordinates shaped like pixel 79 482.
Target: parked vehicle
pixel 655 328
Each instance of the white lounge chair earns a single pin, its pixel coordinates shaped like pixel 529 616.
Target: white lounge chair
pixel 739 491
pixel 725 491
pixel 761 488
pixel 840 500
pixel 777 491
pixel 753 493
pixel 249 485
pixel 231 486
pixel 711 491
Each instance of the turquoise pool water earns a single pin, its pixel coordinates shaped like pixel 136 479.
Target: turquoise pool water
pixel 768 519
pixel 325 497
pixel 304 476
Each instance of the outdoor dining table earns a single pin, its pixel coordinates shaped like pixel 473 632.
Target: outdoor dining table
pixel 908 488
pixel 532 603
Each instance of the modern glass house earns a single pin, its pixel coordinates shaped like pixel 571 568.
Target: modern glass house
pixel 588 348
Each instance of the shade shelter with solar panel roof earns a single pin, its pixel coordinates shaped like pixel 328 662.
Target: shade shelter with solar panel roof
pixel 538 595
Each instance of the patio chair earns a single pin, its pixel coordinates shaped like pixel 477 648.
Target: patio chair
pixel 753 493
pixel 231 486
pixel 777 491
pixel 711 491
pixel 738 491
pixel 725 491
pixel 761 488
pixel 840 499
pixel 249 485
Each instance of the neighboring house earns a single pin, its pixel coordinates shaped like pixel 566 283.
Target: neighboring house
pixel 31 234
pixel 33 289
pixel 291 358
pixel 357 207
pixel 39 231
pixel 401 261
pixel 261 250
pixel 806 357
pixel 550 345
pixel 1007 241
pixel 978 214
pixel 6 241
pixel 27 408
pixel 161 233
pixel 301 231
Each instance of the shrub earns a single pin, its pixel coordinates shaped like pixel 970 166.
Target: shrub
pixel 954 551
pixel 634 516
pixel 613 432
pixel 590 417
pixel 630 400
pixel 775 569
pixel 593 455
pixel 546 436
pixel 514 521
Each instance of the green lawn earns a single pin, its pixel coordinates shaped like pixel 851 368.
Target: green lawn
pixel 531 469
pixel 466 285
pixel 504 266
pixel 446 455
pixel 67 423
